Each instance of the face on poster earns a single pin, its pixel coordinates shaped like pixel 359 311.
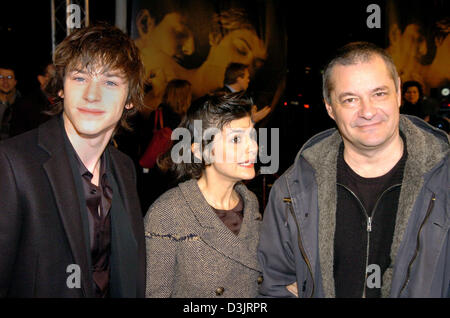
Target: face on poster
pixel 419 42
pixel 195 41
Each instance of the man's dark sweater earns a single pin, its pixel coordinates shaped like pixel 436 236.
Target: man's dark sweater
pixel 358 199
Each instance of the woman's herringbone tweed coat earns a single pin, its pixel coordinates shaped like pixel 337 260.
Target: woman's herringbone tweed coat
pixel 190 251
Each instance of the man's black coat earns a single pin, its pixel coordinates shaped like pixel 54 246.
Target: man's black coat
pixel 42 228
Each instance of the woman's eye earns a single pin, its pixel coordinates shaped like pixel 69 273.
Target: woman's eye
pixel 241 47
pixel 241 51
pixel 236 139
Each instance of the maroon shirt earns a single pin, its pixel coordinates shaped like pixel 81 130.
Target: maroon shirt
pixel 98 202
pixel 232 218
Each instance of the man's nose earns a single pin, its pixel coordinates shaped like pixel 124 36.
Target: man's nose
pixel 367 109
pixel 92 92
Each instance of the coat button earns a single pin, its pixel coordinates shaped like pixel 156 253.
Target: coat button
pixel 260 280
pixel 220 291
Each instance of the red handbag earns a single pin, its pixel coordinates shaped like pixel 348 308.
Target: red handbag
pixel 159 144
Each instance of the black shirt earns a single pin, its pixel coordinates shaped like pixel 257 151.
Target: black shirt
pixel 358 199
pixel 232 218
pixel 98 204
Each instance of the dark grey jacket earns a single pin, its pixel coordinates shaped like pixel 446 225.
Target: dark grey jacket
pixel 192 254
pixel 43 222
pixel 297 236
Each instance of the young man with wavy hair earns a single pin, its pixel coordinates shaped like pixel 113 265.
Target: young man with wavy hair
pixel 70 221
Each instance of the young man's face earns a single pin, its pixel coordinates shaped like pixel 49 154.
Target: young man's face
pixel 94 102
pixel 365 104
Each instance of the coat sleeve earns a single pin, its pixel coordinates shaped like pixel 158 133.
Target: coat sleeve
pixel 161 248
pixel 275 251
pixel 10 222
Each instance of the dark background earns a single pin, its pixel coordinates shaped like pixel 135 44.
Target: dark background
pixel 314 30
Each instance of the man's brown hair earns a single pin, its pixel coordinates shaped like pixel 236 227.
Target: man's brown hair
pixel 99 46
pixel 351 54
pixel 233 71
pixel 178 96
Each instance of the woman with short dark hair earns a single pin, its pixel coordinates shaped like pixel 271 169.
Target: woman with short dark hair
pixel 202 235
pixel 413 99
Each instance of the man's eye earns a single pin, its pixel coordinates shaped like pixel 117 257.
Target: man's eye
pixel 380 94
pixel 78 79
pixel 349 100
pixel 111 83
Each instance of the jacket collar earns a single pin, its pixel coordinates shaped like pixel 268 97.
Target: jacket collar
pixel 59 172
pixel 60 175
pixel 241 248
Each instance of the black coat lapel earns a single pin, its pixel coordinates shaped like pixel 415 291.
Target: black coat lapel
pixel 125 251
pixel 59 172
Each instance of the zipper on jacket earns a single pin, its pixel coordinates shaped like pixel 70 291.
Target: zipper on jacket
pixel 369 225
pixel 288 201
pixel 430 208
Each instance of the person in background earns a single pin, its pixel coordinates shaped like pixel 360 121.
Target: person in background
pixel 175 103
pixel 9 98
pixel 363 211
pixel 31 110
pixel 237 79
pixel 201 236
pixel 413 100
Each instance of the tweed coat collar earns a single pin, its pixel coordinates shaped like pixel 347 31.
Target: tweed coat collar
pixel 242 248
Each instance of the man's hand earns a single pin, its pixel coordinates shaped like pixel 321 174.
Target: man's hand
pixel 292 288
pixel 259 115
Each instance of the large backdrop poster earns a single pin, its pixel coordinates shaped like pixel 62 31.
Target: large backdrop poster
pixel 419 42
pixel 196 40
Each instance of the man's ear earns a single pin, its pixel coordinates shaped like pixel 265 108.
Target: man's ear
pixel 61 93
pixel 330 110
pixel 144 22
pixel 394 34
pixel 399 92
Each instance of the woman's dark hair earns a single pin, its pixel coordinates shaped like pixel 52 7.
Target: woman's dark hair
pixel 409 84
pixel 214 111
